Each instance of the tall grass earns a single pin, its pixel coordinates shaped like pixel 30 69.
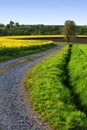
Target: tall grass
pixel 50 97
pixel 78 74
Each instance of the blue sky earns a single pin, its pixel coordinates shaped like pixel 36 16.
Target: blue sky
pixel 48 12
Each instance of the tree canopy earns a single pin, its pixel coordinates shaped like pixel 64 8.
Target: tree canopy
pixel 69 30
pixel 13 28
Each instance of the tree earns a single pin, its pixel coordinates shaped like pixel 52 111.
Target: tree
pixel 11 24
pixel 69 30
pixel 17 24
pixel 1 25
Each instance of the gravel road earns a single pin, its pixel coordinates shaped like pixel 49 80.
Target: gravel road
pixel 15 111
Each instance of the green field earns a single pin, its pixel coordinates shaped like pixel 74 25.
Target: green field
pixel 40 36
pixel 11 47
pixel 57 88
pixel 83 36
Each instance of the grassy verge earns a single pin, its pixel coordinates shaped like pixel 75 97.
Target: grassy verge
pixel 14 52
pixel 78 74
pixel 45 84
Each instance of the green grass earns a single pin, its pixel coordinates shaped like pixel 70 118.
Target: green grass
pixel 50 97
pixel 83 48
pixel 78 73
pixel 82 36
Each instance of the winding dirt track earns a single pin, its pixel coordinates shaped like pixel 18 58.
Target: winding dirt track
pixel 15 111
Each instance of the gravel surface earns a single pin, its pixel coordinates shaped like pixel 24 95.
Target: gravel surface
pixel 15 111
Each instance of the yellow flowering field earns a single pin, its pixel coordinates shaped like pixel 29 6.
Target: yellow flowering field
pixel 13 42
pixel 17 46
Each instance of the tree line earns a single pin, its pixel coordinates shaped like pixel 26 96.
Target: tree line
pixel 13 28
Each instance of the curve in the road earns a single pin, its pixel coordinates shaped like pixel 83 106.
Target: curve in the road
pixel 15 111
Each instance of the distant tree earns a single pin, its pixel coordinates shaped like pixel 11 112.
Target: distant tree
pixel 2 25
pixel 69 30
pixel 11 24
pixel 7 25
pixel 17 24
